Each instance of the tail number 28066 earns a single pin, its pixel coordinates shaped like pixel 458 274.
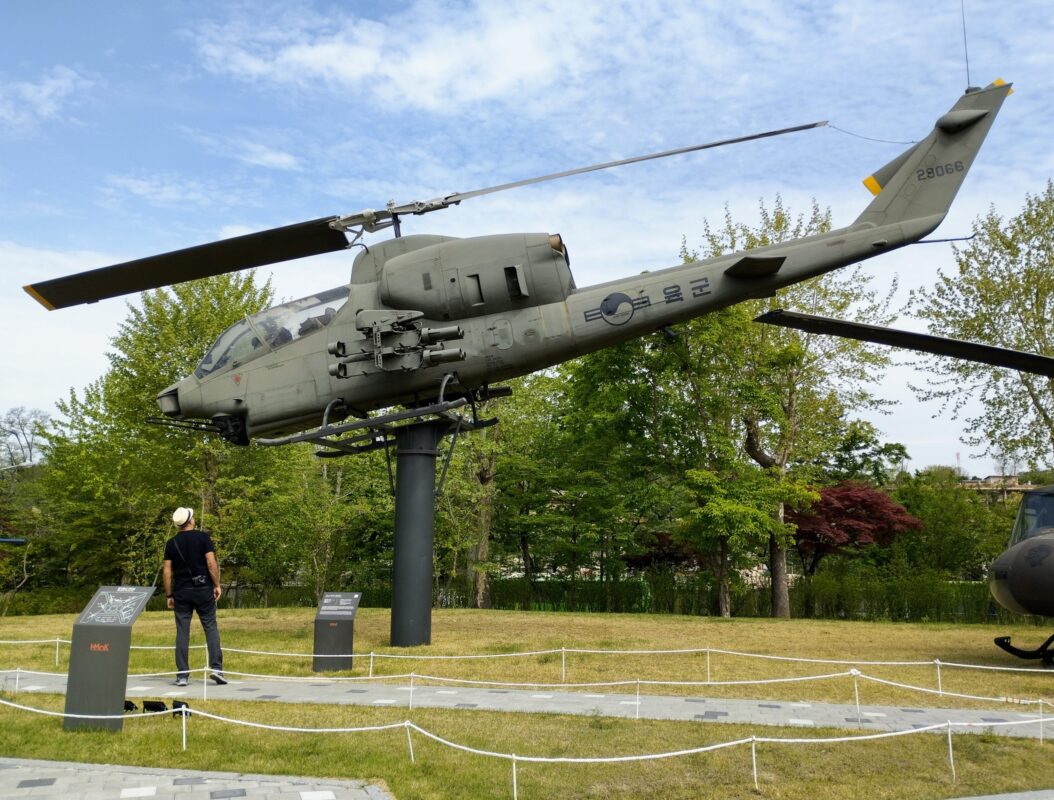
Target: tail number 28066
pixel 938 171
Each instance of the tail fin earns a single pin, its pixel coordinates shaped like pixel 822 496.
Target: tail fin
pixel 922 181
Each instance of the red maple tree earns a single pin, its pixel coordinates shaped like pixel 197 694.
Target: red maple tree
pixel 848 515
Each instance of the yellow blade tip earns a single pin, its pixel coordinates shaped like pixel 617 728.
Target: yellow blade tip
pixel 1001 82
pixel 872 185
pixel 36 296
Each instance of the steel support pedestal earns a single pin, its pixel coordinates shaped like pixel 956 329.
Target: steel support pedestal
pixel 416 449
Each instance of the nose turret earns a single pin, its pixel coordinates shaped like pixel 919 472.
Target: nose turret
pixel 181 400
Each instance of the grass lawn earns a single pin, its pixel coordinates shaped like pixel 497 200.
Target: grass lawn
pixel 913 766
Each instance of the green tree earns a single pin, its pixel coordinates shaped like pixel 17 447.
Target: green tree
pixel 729 515
pixel 1002 293
pixel 794 389
pixel 860 455
pixel 962 531
pixel 110 476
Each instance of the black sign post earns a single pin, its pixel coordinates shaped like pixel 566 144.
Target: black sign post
pixel 335 631
pixel 102 638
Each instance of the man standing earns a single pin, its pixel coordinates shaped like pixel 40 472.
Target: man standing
pixel 192 583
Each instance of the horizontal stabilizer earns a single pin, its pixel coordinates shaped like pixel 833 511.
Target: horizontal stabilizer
pixel 923 342
pixel 755 267
pixel 877 182
pixel 240 252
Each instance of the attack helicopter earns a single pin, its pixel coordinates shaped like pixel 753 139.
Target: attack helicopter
pixel 429 324
pixel 427 320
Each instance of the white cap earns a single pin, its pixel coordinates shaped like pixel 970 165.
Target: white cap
pixel 181 516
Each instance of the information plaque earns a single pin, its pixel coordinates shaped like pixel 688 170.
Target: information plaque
pixel 335 631
pixel 102 638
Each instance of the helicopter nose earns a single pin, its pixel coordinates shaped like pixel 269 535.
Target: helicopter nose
pixel 181 399
pixel 1022 576
pixel 168 401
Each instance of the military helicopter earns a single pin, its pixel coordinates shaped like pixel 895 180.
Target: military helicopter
pixel 422 307
pixel 432 323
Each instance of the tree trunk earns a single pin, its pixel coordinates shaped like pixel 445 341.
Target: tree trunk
pixel 724 598
pixel 528 569
pixel 480 553
pixel 778 577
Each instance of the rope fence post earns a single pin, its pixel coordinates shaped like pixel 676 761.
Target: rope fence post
pixel 708 664
pixel 1040 721
pixel 856 690
pixel 515 791
pixel 638 698
pixel 56 651
pixel 940 687
pixel 754 760
pixel 411 691
pixel 951 754
pixel 563 665
pixel 18 673
pixel 371 663
pixel 184 716
pixel 410 743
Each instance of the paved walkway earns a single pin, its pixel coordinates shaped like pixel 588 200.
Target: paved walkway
pixel 59 780
pixel 611 704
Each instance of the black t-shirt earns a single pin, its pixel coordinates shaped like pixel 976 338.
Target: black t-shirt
pixel 186 550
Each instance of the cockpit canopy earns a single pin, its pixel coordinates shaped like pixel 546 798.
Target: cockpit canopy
pixel 276 327
pixel 1035 515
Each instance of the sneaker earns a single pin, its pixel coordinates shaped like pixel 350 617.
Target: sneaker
pixel 180 681
pixel 218 679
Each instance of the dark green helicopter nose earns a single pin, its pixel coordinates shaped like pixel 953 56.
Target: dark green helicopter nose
pixel 1022 578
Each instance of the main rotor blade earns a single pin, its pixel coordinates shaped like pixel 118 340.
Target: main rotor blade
pixel 458 197
pixel 216 258
pixel 923 342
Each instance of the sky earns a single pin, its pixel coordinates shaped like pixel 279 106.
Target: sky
pixel 129 129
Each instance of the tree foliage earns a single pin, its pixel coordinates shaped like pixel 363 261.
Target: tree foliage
pixel 1002 293
pixel 849 515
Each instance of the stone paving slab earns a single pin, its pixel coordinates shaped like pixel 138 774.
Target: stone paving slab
pixel 57 780
pixel 588 702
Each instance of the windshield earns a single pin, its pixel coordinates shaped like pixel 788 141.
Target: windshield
pixel 253 336
pixel 1036 513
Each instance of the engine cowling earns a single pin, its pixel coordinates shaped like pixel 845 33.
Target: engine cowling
pixel 458 278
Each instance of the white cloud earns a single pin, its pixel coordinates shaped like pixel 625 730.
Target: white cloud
pixel 45 353
pixel 24 104
pixel 245 147
pixel 173 190
pixel 440 58
pixel 261 155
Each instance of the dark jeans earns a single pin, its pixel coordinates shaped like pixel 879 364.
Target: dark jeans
pixel 187 601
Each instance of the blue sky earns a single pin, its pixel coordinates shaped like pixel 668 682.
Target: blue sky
pixel 132 128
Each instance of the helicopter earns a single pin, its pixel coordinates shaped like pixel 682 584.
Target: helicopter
pixel 427 320
pixel 431 324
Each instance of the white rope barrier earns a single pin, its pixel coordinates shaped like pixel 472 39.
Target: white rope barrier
pixel 564 651
pixel 515 759
pixel 46 713
pixel 412 676
pixel 33 641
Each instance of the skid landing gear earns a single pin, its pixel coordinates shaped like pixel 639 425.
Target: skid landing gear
pixel 1043 652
